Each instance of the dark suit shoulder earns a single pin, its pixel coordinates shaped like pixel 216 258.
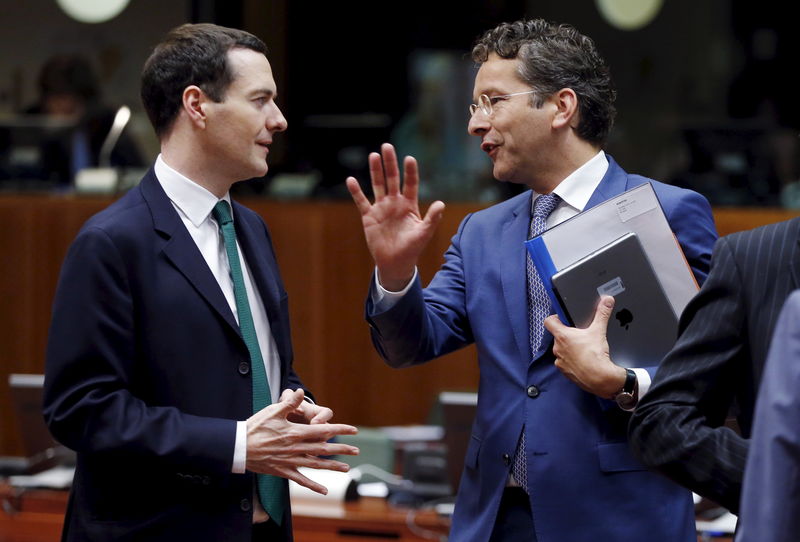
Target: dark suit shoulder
pixel 118 217
pixel 779 232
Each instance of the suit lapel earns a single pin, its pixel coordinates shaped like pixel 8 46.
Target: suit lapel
pixel 513 273
pixel 180 249
pixel 263 269
pixel 613 183
pixel 514 256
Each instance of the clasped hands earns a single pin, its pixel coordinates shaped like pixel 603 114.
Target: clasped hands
pixel 293 433
pixel 582 355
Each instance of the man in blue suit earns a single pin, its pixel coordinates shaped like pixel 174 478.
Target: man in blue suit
pixel 548 458
pixel 770 504
pixel 170 331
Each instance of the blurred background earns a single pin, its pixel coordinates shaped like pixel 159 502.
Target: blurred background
pixel 704 101
pixel 703 94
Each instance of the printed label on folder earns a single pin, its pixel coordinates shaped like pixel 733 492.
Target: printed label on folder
pixel 612 287
pixel 633 206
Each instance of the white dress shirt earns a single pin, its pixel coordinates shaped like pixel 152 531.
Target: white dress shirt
pixel 575 191
pixel 194 205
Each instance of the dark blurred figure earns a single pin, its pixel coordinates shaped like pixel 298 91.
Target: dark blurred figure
pixel 69 91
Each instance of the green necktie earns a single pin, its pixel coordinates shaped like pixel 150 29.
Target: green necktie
pixel 270 488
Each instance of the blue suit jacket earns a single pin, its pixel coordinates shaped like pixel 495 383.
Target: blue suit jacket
pixel 147 374
pixel 770 502
pixel 585 483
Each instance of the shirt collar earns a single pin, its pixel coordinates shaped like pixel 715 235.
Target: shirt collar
pixel 190 198
pixel 577 188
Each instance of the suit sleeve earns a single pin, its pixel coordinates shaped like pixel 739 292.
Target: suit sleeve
pixel 693 223
pixel 91 367
pixel 425 324
pixel 677 428
pixel 772 475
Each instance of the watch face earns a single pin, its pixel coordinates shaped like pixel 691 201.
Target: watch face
pixel 625 400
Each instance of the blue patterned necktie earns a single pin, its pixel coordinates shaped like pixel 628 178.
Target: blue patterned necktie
pixel 538 310
pixel 270 488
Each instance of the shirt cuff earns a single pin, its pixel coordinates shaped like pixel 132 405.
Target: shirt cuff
pixel 240 449
pixel 643 380
pixel 383 299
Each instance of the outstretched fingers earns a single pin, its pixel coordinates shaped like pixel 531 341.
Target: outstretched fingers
pixel 391 169
pixel 321 432
pixel 376 175
pixel 362 202
pixel 301 479
pixel 411 179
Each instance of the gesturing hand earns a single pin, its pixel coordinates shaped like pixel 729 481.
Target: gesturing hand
pixel 278 446
pixel 395 231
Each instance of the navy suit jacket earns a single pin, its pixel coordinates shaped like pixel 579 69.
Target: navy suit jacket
pixel 770 501
pixel 147 374
pixel 585 484
pixel 715 367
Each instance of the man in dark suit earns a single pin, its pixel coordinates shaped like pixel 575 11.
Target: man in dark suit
pixel 170 333
pixel 770 504
pixel 548 457
pixel 716 365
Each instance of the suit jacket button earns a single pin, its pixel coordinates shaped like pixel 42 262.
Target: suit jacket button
pixel 244 368
pixel 533 392
pixel 506 460
pixel 245 505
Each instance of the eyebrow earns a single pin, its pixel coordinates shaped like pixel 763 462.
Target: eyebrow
pixel 264 91
pixel 489 91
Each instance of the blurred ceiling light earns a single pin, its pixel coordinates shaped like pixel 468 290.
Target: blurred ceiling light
pixel 92 11
pixel 629 14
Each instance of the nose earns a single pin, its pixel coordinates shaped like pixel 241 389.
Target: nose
pixel 478 124
pixel 276 122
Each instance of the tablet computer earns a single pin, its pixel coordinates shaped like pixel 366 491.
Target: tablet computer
pixel 643 326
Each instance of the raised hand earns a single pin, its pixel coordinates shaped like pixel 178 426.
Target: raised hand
pixel 395 231
pixel 278 446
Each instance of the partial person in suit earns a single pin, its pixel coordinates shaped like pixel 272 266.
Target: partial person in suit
pixel 770 504
pixel 69 91
pixel 715 368
pixel 548 459
pixel 170 332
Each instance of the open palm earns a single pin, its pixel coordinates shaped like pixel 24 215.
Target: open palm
pixel 395 231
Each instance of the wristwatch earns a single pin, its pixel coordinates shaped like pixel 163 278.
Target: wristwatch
pixel 626 397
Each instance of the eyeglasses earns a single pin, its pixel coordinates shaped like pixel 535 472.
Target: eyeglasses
pixel 485 102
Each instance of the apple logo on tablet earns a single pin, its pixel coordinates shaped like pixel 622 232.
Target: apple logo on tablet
pixel 625 317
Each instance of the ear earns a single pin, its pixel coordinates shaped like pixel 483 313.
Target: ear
pixel 566 102
pixel 194 105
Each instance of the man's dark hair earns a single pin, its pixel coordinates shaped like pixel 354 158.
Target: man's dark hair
pixel 70 75
pixel 553 57
pixel 191 54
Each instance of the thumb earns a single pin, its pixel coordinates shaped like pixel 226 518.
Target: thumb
pixel 553 324
pixel 290 401
pixel 434 214
pixel 603 313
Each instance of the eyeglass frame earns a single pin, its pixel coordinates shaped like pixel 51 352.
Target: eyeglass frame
pixel 485 102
